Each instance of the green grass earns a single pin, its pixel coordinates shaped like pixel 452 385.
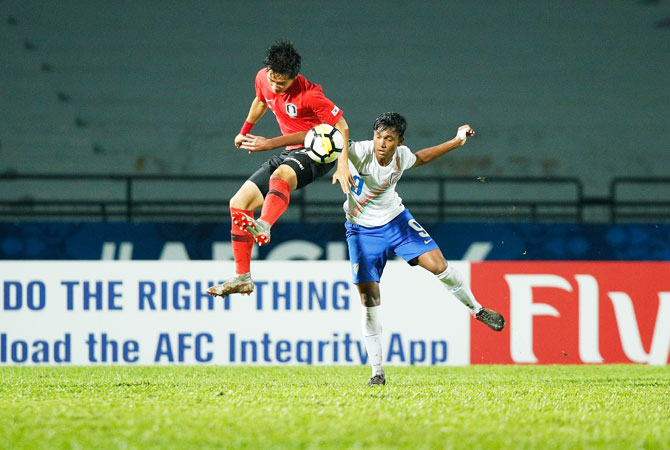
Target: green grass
pixel 329 407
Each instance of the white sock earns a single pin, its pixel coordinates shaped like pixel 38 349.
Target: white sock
pixel 453 281
pixel 372 331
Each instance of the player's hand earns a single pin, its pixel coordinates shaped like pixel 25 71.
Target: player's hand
pixel 238 140
pixel 344 177
pixel 464 132
pixel 252 143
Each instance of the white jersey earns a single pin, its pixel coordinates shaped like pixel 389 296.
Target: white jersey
pixel 375 202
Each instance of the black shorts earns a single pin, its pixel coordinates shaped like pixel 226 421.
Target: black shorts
pixel 306 169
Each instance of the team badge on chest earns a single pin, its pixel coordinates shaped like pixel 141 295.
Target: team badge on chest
pixel 292 110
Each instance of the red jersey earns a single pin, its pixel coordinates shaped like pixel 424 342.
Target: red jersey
pixel 300 108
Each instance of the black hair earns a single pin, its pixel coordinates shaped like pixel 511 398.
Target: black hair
pixel 282 58
pixel 390 120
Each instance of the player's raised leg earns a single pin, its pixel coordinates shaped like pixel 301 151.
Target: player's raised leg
pixel 372 329
pixel 243 203
pixel 435 262
pixel 282 182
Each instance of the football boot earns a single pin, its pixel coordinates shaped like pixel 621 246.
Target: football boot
pixel 239 284
pixel 258 228
pixel 377 380
pixel 490 318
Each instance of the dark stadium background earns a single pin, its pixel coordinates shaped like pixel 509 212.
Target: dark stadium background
pixel 125 111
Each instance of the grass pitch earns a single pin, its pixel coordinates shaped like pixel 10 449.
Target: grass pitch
pixel 330 407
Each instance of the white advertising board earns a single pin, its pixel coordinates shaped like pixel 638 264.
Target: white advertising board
pixel 154 313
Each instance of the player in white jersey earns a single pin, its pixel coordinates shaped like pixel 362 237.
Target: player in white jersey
pixel 378 224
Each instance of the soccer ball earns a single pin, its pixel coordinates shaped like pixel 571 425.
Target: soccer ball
pixel 324 143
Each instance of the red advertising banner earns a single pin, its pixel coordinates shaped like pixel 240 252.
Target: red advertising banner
pixel 573 312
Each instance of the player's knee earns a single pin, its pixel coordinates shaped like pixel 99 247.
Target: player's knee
pixel 232 203
pixel 434 265
pixel 369 293
pixel 370 299
pixel 245 200
pixel 283 171
pixel 287 174
pixel 237 201
pixel 439 266
pixel 433 262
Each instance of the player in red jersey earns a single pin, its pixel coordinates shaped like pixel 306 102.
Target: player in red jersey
pixel 298 105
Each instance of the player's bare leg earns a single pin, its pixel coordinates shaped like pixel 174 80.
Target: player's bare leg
pixel 248 196
pixel 372 329
pixel 435 262
pixel 245 201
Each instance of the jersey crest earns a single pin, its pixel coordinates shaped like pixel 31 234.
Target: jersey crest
pixel 292 110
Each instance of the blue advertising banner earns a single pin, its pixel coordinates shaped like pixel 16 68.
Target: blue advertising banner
pixel 475 241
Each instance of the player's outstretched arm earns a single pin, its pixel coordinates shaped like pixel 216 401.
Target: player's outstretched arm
pixel 256 111
pixel 253 143
pixel 342 173
pixel 428 154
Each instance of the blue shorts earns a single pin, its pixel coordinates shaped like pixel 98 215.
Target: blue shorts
pixel 370 247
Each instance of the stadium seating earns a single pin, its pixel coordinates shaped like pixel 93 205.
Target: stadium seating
pixel 146 87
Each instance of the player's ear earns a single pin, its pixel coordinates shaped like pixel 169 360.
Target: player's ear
pixel 401 140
